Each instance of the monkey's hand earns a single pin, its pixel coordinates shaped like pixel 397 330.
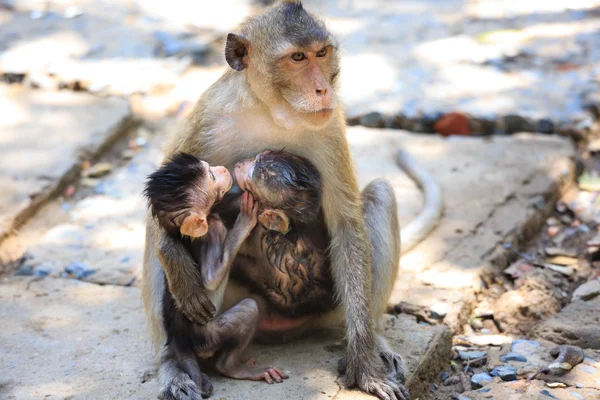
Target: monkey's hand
pixel 248 216
pixel 195 305
pixel 369 375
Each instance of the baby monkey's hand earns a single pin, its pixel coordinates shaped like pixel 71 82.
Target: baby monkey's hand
pixel 246 220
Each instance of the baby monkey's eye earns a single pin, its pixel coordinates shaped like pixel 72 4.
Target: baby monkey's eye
pixel 299 56
pixel 212 176
pixel 322 52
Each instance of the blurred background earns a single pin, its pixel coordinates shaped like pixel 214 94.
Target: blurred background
pixel 89 89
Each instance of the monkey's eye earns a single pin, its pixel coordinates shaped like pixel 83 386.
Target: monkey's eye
pixel 322 52
pixel 212 176
pixel 299 56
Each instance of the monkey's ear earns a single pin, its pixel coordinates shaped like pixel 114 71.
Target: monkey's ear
pixel 194 225
pixel 236 51
pixel 275 220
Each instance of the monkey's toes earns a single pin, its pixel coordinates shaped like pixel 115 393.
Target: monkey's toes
pixel 394 365
pixel 182 387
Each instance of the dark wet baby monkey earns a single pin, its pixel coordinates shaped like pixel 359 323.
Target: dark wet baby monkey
pixel 181 196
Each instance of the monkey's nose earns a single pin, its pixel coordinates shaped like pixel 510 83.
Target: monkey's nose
pixel 321 92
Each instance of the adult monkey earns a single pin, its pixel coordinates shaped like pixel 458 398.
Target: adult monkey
pixel 280 94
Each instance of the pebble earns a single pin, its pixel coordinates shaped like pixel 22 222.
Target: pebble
pixel 506 372
pixel 524 346
pixel 587 291
pixel 516 123
pixel 453 124
pixel 97 170
pixel 476 323
pixel 559 251
pixel 372 120
pixel 471 355
pixel 566 271
pixel 453 380
pixel 556 385
pixel 545 125
pixel 79 269
pixel 444 376
pixel 480 380
pixel 513 357
pixel 563 260
pixel 439 310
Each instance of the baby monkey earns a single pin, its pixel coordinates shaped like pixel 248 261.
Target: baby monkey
pixel 181 196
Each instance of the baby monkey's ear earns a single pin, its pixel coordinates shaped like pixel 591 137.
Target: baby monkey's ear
pixel 194 225
pixel 275 220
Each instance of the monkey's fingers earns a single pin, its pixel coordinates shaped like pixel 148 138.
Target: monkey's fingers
pixel 282 374
pixel 267 378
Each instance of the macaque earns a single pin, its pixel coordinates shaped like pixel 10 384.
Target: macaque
pixel 285 258
pixel 281 93
pixel 181 195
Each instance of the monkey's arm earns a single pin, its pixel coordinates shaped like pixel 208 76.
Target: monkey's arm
pixel 184 279
pixel 351 267
pixel 218 254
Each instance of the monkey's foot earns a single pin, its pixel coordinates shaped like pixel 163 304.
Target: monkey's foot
pixel 394 365
pixel 384 387
pixel 268 374
pixel 182 387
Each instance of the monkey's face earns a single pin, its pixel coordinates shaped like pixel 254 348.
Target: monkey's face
pixel 218 183
pixel 292 67
pixel 283 181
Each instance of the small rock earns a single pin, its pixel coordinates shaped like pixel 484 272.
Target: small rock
pixel 398 121
pixel 518 269
pixel 480 380
pixel 453 380
pixel 453 124
pixel 579 385
pixel 25 270
pixel 486 340
pixel 513 357
pixel 70 191
pixel 554 385
pixel 79 269
pixel 566 271
pixel 87 182
pixel 471 355
pixel 544 125
pixel 563 260
pixel 553 231
pixel 439 310
pixel 587 291
pixel 506 372
pixel 516 123
pixel 444 376
pixel 476 323
pixel 524 346
pixel 372 120
pixel 559 251
pixel 97 170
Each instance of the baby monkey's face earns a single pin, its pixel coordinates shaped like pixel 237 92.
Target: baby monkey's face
pixel 218 183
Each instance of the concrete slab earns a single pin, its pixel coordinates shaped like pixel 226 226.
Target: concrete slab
pixel 492 189
pixel 44 138
pixel 66 338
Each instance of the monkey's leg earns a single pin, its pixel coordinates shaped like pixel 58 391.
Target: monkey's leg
pixel 229 335
pixel 383 231
pixel 180 376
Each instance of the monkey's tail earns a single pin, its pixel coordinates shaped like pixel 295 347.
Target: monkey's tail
pixel 432 210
